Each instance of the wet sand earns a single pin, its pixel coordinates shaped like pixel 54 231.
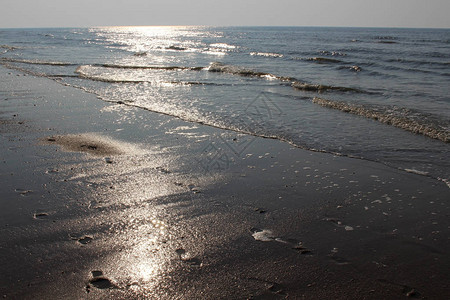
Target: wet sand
pixel 93 144
pixel 105 201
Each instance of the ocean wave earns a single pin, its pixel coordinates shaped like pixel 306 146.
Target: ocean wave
pixel 409 69
pixel 140 54
pixel 295 83
pixel 8 48
pixel 430 41
pixel 386 42
pixel 332 53
pixel 209 51
pixel 36 62
pixel 47 35
pixel 109 80
pixel 399 117
pixel 113 80
pixel 223 46
pixel 189 83
pixel 386 37
pixel 60 76
pixel 321 88
pixel 218 67
pixel 131 67
pixel 351 68
pixel 419 62
pixel 96 73
pixel 213 52
pixel 324 60
pixel 236 70
pixel 266 54
pixel 176 48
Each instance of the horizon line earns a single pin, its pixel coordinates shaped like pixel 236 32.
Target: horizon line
pixel 235 26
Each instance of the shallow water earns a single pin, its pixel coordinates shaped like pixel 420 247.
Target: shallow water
pixel 384 92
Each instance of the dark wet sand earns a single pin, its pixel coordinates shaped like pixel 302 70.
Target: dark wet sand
pixel 103 201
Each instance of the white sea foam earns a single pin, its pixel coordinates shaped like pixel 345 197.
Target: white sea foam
pixel 264 235
pixel 266 54
pixel 218 53
pixel 223 46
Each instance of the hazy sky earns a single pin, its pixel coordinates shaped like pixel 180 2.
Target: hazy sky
pixel 82 13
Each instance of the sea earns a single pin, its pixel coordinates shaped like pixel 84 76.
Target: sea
pixel 377 94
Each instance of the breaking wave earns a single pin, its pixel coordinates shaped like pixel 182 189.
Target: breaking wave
pixel 332 53
pixel 236 70
pixel 396 116
pixel 265 54
pixel 295 83
pixel 169 68
pixel 96 73
pixel 223 46
pixel 351 68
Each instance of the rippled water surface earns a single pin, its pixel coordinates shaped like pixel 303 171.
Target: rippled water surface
pixel 377 94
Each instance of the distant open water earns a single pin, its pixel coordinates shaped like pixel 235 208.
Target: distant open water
pixel 376 94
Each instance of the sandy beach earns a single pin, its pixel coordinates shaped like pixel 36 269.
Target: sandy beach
pixel 105 201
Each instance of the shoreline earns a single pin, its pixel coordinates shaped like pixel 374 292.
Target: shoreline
pixel 316 100
pixel 188 210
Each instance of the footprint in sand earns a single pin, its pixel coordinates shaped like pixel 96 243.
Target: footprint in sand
pixel 99 281
pixel 97 273
pixel 41 215
pixel 260 210
pixel 194 189
pixel 180 252
pixel 85 240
